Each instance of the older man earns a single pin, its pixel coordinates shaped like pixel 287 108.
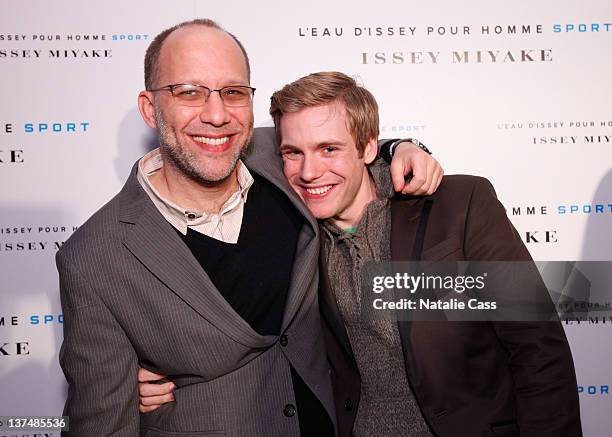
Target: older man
pixel 181 274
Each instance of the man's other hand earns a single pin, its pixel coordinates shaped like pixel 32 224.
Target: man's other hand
pixel 152 391
pixel 425 169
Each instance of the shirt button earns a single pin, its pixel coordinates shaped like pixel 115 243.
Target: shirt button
pixel 289 410
pixel 284 341
pixel 348 405
pixel 191 216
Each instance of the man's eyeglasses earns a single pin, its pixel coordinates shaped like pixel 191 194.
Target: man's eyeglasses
pixel 196 95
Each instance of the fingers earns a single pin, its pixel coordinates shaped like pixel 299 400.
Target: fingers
pixel 399 173
pixel 426 171
pixel 437 179
pixel 157 401
pixel 149 404
pixel 148 390
pixel 418 165
pixel 427 176
pixel 147 409
pixel 145 375
pixel 153 396
pixel 432 180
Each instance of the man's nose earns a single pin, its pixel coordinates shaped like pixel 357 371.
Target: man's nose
pixel 213 111
pixel 311 168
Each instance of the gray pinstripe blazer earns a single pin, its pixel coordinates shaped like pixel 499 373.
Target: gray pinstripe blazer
pixel 132 293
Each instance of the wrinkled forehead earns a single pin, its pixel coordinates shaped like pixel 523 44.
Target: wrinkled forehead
pixel 199 53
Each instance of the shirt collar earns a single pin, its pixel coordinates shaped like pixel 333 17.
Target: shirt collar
pixel 179 217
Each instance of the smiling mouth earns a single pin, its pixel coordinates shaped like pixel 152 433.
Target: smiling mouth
pixel 318 191
pixel 211 141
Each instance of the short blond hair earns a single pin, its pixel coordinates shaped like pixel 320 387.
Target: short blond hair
pixel 327 87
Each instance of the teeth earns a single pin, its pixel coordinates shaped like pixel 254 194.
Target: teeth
pixel 319 190
pixel 211 141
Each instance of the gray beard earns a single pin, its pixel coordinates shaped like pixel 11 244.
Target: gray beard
pixel 187 164
pixel 184 165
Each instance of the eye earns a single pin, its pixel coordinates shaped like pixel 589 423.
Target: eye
pixel 235 92
pixel 291 154
pixel 187 92
pixel 329 149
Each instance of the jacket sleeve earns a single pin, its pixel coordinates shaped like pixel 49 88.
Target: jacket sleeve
pixel 97 359
pixel 538 352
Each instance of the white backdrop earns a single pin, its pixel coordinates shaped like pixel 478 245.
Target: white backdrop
pixel 518 92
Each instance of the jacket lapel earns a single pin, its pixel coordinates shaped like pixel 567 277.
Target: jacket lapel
pixel 267 162
pixel 406 224
pixel 405 216
pixel 330 311
pixel 155 243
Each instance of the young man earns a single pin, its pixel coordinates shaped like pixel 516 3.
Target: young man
pixel 422 378
pixel 445 379
pixel 203 267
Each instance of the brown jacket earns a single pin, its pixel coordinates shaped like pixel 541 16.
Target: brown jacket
pixel 471 379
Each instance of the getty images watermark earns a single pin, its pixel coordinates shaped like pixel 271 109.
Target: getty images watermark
pixel 422 282
pixel 486 291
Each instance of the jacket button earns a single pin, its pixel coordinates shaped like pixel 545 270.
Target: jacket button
pixel 289 410
pixel 348 405
pixel 284 341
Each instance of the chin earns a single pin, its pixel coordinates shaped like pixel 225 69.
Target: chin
pixel 321 215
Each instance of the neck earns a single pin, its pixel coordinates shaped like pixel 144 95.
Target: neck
pixel 188 194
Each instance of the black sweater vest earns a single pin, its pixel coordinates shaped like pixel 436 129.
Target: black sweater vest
pixel 253 275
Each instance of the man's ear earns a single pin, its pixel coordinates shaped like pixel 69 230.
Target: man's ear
pixel 370 152
pixel 146 108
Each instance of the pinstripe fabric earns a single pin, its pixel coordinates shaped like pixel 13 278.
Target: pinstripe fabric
pixel 128 298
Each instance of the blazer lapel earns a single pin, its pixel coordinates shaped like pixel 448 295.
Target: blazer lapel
pixel 330 311
pixel 153 241
pixel 405 225
pixel 304 270
pixel 266 161
pixel 405 216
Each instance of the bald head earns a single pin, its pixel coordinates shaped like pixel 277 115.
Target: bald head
pixel 188 29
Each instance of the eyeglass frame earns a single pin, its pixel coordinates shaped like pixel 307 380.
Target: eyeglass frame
pixel 210 91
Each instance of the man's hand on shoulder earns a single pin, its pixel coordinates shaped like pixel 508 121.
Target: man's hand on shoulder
pixel 426 171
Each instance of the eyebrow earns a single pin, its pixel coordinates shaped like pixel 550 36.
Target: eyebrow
pixel 330 142
pixel 286 146
pixel 197 82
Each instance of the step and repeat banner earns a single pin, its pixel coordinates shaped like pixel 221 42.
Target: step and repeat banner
pixel 518 92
